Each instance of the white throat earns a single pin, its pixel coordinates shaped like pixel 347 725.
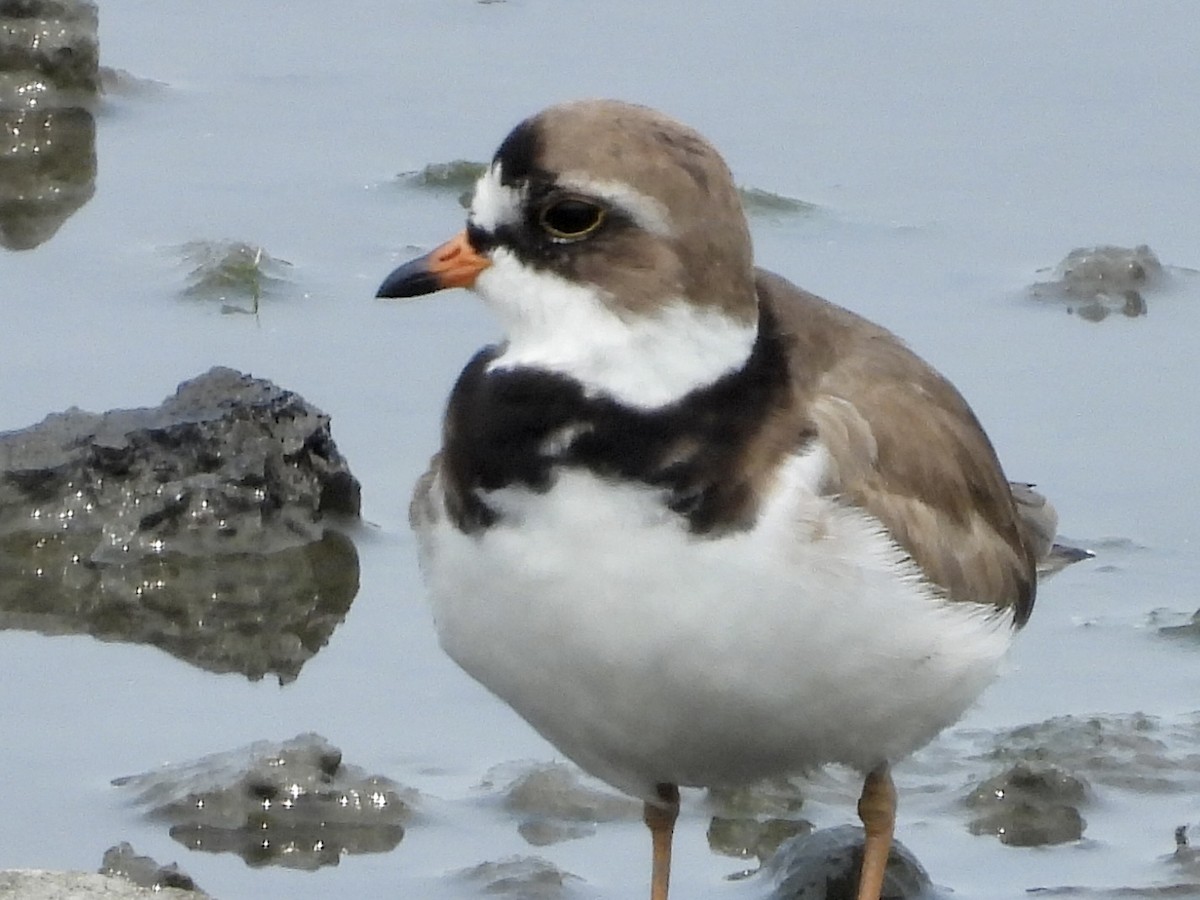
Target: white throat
pixel 644 361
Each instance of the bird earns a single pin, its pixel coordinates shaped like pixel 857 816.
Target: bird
pixel 696 525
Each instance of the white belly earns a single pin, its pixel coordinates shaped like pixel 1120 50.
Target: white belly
pixel 649 655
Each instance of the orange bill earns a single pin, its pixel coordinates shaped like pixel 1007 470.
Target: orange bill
pixel 454 264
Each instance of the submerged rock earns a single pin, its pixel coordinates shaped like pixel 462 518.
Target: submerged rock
pixel 552 805
pixel 1189 630
pixel 759 203
pixel 520 877
pixel 198 526
pixel 122 861
pixel 1029 805
pixel 232 270
pixel 459 176
pixel 752 822
pixel 1181 882
pixel 824 865
pixel 1097 281
pixel 1133 752
pixel 294 804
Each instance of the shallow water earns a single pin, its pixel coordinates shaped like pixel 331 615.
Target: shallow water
pixel 952 151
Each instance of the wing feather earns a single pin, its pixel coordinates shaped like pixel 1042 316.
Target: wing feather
pixel 905 446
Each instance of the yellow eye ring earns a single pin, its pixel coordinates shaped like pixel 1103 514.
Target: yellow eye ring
pixel 571 218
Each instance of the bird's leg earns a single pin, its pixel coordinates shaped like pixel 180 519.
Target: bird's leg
pixel 660 818
pixel 877 809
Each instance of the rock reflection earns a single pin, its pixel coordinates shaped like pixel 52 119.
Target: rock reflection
pixel 49 59
pixel 198 526
pixel 254 615
pixel 752 822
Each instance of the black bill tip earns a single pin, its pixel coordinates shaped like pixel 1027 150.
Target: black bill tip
pixel 412 279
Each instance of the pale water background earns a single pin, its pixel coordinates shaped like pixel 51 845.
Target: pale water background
pixel 953 150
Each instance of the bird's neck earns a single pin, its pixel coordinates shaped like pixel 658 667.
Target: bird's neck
pixel 644 360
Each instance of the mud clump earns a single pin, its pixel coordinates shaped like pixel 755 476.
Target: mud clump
pixel 1029 805
pixel 294 804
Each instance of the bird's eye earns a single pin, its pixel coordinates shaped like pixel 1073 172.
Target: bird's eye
pixel 570 218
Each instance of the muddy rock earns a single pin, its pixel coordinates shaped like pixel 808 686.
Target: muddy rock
pixel 122 861
pixel 228 464
pixel 1029 805
pixel 1094 282
pixel 1133 752
pixel 52 39
pixel 294 804
pixel 551 803
pixel 520 878
pixel 752 822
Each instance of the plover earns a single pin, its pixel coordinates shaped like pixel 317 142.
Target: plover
pixel 696 525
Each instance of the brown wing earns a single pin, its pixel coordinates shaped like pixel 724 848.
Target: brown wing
pixel 906 447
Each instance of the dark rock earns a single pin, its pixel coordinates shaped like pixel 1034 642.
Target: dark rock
pixel 824 865
pixel 53 39
pixel 109 525
pixel 123 862
pixel 294 804
pixel 229 464
pixel 1029 805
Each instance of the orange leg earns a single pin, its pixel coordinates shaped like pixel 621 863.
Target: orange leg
pixel 877 809
pixel 660 818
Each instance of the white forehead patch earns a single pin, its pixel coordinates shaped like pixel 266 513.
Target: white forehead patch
pixel 647 212
pixel 495 204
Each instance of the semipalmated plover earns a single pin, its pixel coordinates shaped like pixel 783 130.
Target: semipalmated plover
pixel 696 525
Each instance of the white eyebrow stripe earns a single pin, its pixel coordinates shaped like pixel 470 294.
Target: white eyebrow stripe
pixel 647 212
pixel 495 204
